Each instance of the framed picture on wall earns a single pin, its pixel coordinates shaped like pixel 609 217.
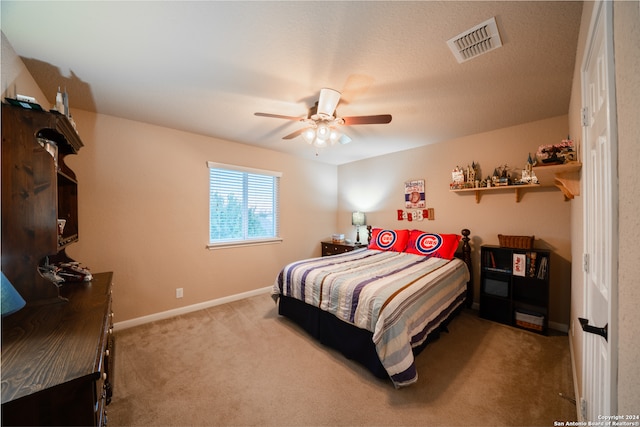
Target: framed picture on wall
pixel 414 194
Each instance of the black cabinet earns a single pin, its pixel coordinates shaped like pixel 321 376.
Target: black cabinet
pixel 514 287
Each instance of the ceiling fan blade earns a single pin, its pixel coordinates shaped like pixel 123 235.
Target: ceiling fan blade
pixel 367 120
pixel 278 116
pixel 328 101
pixel 356 85
pixel 293 134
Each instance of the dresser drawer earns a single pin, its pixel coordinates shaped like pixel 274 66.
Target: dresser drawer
pixel 104 383
pixel 330 248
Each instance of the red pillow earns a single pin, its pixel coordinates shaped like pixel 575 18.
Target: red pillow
pixel 433 245
pixel 389 240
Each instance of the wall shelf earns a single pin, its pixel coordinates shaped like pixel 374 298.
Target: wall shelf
pixel 514 188
pixel 566 177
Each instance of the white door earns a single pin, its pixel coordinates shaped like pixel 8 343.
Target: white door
pixel 599 394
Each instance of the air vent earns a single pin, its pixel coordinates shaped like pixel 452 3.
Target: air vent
pixel 478 40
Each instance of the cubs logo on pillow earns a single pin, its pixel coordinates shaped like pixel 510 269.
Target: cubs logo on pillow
pixel 432 244
pixel 389 240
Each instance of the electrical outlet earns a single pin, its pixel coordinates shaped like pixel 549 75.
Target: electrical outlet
pixel 179 292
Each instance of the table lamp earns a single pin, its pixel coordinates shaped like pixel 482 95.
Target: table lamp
pixel 358 219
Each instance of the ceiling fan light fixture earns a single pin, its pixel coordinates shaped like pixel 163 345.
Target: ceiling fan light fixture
pixel 328 102
pixel 323 132
pixel 323 123
pixel 334 136
pixel 320 143
pixel 309 135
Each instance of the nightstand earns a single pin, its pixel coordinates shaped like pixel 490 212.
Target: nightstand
pixel 330 248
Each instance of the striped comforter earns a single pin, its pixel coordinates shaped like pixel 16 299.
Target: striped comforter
pixel 399 297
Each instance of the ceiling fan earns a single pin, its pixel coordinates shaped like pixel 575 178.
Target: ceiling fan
pixel 322 121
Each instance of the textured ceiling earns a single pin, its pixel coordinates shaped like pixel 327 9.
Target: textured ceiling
pixel 207 66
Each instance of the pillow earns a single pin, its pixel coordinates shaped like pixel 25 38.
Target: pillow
pixel 433 245
pixel 388 240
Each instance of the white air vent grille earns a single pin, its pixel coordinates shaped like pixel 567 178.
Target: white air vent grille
pixel 478 40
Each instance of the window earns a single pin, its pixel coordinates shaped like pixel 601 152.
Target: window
pixel 243 205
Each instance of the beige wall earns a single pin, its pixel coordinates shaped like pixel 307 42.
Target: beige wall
pixel 376 186
pixel 144 214
pixel 627 57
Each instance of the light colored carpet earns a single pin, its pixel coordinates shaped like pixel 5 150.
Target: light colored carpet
pixel 240 364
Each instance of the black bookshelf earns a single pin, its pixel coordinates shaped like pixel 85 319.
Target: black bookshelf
pixel 514 287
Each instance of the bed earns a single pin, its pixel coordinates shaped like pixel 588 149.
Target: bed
pixel 380 305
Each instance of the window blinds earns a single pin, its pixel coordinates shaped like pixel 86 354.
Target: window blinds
pixel 243 204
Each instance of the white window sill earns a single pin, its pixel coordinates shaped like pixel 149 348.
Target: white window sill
pixel 225 245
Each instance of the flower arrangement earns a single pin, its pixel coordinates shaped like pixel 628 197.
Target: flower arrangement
pixel 555 153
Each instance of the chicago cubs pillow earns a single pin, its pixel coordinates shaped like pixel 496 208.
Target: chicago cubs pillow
pixel 388 240
pixel 432 244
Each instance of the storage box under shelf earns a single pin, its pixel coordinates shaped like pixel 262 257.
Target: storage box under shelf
pixel 530 321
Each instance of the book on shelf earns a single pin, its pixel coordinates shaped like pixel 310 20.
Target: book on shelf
pixel 543 267
pixel 528 264
pixel 531 256
pixel 498 270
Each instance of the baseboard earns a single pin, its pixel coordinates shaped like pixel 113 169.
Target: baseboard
pixel 187 309
pixel 576 392
pixel 559 327
pixel 212 303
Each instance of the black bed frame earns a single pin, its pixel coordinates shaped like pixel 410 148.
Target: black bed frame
pixel 356 343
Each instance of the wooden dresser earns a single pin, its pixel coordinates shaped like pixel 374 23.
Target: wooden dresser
pixel 57 358
pixel 331 248
pixel 57 351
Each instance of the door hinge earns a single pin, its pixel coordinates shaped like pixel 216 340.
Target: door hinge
pixel 585 263
pixel 585 116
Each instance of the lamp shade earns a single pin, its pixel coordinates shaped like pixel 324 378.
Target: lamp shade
pixel 334 136
pixel 11 299
pixel 358 218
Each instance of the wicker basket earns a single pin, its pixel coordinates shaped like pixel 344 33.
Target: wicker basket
pixel 519 242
